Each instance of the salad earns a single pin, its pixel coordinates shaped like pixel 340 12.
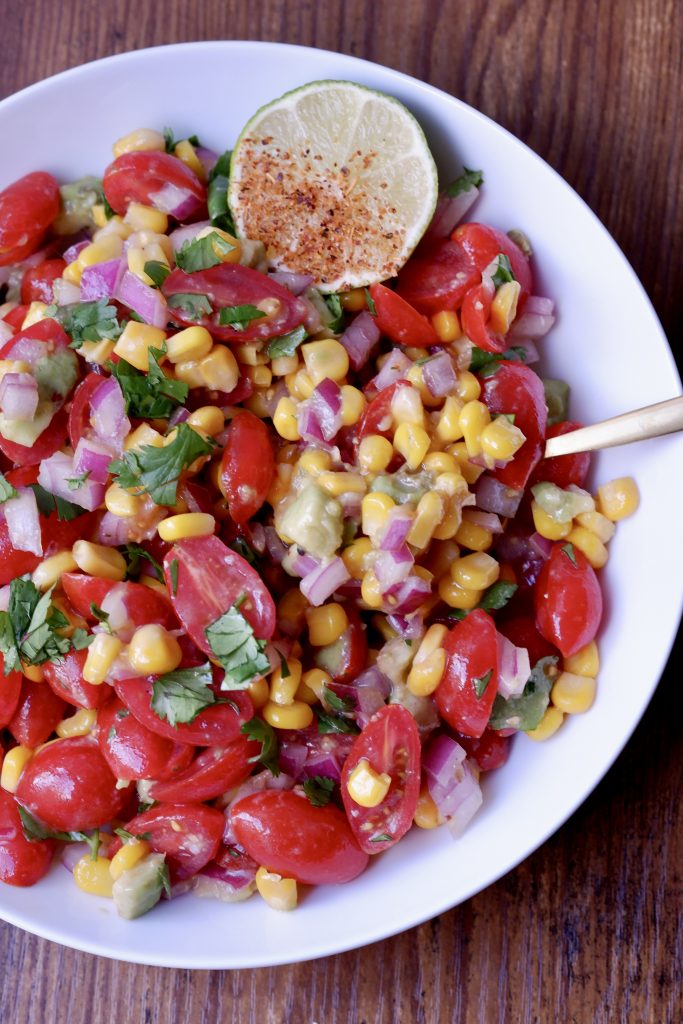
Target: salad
pixel 283 569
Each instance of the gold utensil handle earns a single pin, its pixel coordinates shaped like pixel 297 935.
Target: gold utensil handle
pixel 639 425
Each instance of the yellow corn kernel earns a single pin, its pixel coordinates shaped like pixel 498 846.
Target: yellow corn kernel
pixel 102 653
pixel 585 662
pixel 449 525
pixel 474 416
pixel 72 273
pixel 121 503
pixel 547 526
pixel 501 439
pixel 412 442
pixel 314 461
pixel 317 680
pixel 590 544
pixel 80 724
pixel 573 694
pixel 416 378
pixel 259 692
pixel 135 342
pixel 326 358
pixel 34 314
pixel 366 787
pixel 382 626
pixel 136 259
pixel 33 672
pixel 13 366
pixel 296 715
pixel 354 300
pixel 441 462
pixel 154 584
pixel 219 369
pixel 98 560
pixel 326 624
pixel 141 139
pixel 188 524
pixel 208 418
pixel 300 385
pixel 97 351
pixel 451 484
pixel 283 687
pixel 140 437
pixel 358 557
pixel 429 662
pixel 306 694
pixel 93 877
pixel 189 345
pixel 473 536
pixel 353 405
pixel 504 306
pixel 375 453
pixel 469 470
pixel 114 226
pixel 282 366
pixel 186 152
pixel 375 509
pixel 132 851
pixel 446 325
pixel 441 555
pixel 600 525
pixel 476 571
pixel 548 726
pixel 52 569
pixel 74 620
pixel 406 407
pixel 250 354
pixel 146 218
pixel 278 892
pixel 233 255
pixel 469 387
pixel 189 373
pixel 337 484
pixel 285 420
pixel 370 591
pixel 154 651
pixel 619 498
pixel 260 376
pixel 98 215
pixel 13 765
pixel 279 488
pixel 448 427
pixel 427 813
pixel 457 596
pixel 430 512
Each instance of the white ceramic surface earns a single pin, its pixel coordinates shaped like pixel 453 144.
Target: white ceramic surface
pixel 607 343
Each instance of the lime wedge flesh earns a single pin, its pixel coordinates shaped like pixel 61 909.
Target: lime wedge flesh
pixel 337 181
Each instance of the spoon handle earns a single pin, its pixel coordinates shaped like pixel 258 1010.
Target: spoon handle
pixel 639 425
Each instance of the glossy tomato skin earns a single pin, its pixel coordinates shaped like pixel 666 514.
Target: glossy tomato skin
pixel 65 677
pixel 39 711
pixel 471 652
pixel 16 317
pixel 563 470
pixel 211 578
pixel 247 465
pixel 47 331
pixel 22 861
pixel 37 282
pixel 285 833
pixel 568 600
pixel 143 604
pixel 189 834
pixel 27 208
pixel 57 535
pixel 400 321
pixel 390 743
pixel 490 750
pixel 213 771
pixel 68 786
pixel 138 178
pixel 134 752
pixel 437 276
pixel 79 413
pixel 476 309
pixel 377 418
pixel 346 658
pixel 522 631
pixel 46 444
pixel 10 688
pixel 482 244
pixel 516 389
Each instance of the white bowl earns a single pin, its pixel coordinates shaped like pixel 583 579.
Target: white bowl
pixel 607 343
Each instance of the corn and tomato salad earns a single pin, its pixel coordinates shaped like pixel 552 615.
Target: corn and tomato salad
pixel 283 571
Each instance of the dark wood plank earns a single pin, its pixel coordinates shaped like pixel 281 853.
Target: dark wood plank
pixel 588 929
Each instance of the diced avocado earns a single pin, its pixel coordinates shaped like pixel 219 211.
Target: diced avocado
pixel 56 374
pixel 139 889
pixel 562 506
pixel 314 522
pixel 78 199
pixel 526 711
pixel 403 487
pixel 26 432
pixel 557 399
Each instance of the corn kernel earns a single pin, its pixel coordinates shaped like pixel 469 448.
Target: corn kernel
pixel 572 693
pixel 474 536
pixel 278 892
pixel 441 462
pixel 50 572
pixel 590 544
pixel 469 387
pixel 140 140
pixel 300 385
pixel 314 461
pixel 451 484
pixel 280 485
pixel 440 557
pixel 250 353
pixel 456 596
pixel 504 306
pixel 326 358
pixel 121 503
pixel 476 571
pixel 34 314
pixel 469 470
pixel 370 591
pixel 146 218
pixel 189 373
pixel 296 715
pixel 597 523
pixel 358 557
pixel 186 152
pixel 500 440
pixel 354 300
pixel 474 416
pixel 130 854
pixel 139 438
pixel 285 420
pixel 72 273
pixel 191 344
pixel 232 255
pixel 259 693
pixel 353 405
pixel 13 765
pixel 317 680
pixel 93 877
pixel 33 672
pixel 548 726
pixel 337 484
pixel 135 342
pixel 283 687
pixel 154 651
pixel 98 214
pixel 427 813
pixel 619 498
pixel 306 694
pixel 446 325
pixel 114 226
pixel 415 376
pixel 449 525
pixel 80 724
pixel 326 624
pixel 406 407
pixel 98 560
pixel 412 442
pixel 282 366
pixel 448 427
pixel 547 526
pixel 219 369
pixel 586 662
pixel 430 512
pixel 260 376
pixel 365 786
pixel 102 653
pixel 425 676
pixel 375 453
pixel 375 509
pixel 97 351
pixel 188 524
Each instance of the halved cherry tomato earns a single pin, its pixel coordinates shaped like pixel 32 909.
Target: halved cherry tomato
pixel 36 284
pixel 134 752
pixel 438 276
pixel 10 688
pixel 247 466
pixel 213 771
pixel 469 685
pixel 377 417
pixel 45 445
pixel 65 676
pixel 144 177
pixel 216 726
pixel 48 333
pixel 15 318
pixel 68 786
pixel 523 632
pixel 142 604
pixel 483 243
pixel 27 208
pixel 79 414
pixel 38 712
pixel 281 830
pixel 57 535
pixel 210 579
pixel 346 657
pixel 189 834
pixel 390 743
pixel 400 321
pixel 22 861
pixel 563 470
pixel 230 284
pixel 568 600
pixel 476 309
pixel 490 750
pixel 515 389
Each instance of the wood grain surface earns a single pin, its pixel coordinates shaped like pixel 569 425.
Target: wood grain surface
pixel 587 930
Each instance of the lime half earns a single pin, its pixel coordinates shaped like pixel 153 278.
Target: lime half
pixel 337 181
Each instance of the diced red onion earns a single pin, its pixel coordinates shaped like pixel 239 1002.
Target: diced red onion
pixel 320 584
pixel 409 627
pixel 540 305
pixel 393 567
pixel 179 415
pixel 467 798
pixel 6 332
pixel 295 283
pixel 527 558
pixel 207 158
pixel 277 549
pixel 351 504
pixel 114 530
pixel 93 456
pixel 439 375
pixel 72 853
pixel 514 668
pixel 187 233
pixel 57 470
pixel 229 886
pixel 396 529
pixel 292 758
pixel 19 396
pixel 325 402
pixel 325 753
pixel 147 302
pixel 360 338
pixel 312 320
pixel 394 368
pixel 373 689
pixel 71 254
pixel 114 604
pixel 65 293
pixel 531 325
pixel 541 545
pixel 531 354
pixel 108 409
pixel 449 212
pixel 5 594
pixel 493 496
pixel 102 280
pixel 451 782
pixel 297 563
pixel 409 595
pixel 23 521
pixel 176 201
pixel 488 520
pixel 258 538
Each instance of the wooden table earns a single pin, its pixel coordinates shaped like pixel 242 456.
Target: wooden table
pixel 588 929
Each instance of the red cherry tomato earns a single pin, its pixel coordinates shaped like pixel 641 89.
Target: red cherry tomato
pixel 56 536
pixel 66 679
pixel 568 600
pixel 216 726
pixel 133 751
pixel 483 243
pixel 377 417
pixel 36 284
pixel 79 414
pixel 213 771
pixel 476 309
pixel 230 284
pixel 22 861
pixel 466 692
pixel 15 318
pixel 281 830
pixel 24 345
pixel 142 604
pixel 210 579
pixel 247 466
pixel 189 834
pixel 521 630
pixel 144 177
pixel 68 786
pixel 10 688
pixel 399 321
pixel 346 657
pixel 27 208
pixel 490 750
pixel 45 445
pixel 517 390
pixel 390 743
pixel 437 276
pixel 563 470
pixel 38 713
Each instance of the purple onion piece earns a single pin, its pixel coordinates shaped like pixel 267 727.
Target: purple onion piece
pixel 101 280
pixel 295 283
pixel 147 302
pixel 322 582
pixel 439 375
pixel 19 396
pixel 360 338
pixel 449 212
pixel 494 496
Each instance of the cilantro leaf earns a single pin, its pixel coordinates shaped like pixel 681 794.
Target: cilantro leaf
pixel 526 711
pixel 169 140
pixel 493 599
pixel 149 395
pixel 29 627
pixel 370 303
pixel 157 271
pixel 234 645
pixel 179 696
pixel 257 729
pixel 468 180
pixel 174 576
pixel 383 837
pixel 568 549
pixel 156 471
pixel 80 639
pixel 134 554
pixel 195 304
pixel 333 303
pixel 202 253
pixel 240 546
pixel 319 790
pixel 49 503
pixel 74 483
pixel 287 344
pixel 101 616
pixel 165 879
pixel 6 490
pixel 34 831
pixel 217 194
pixel 123 833
pixel 335 723
pixel 238 317
pixel 486 363
pixel 337 703
pixel 481 683
pixel 87 321
pixel 503 273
